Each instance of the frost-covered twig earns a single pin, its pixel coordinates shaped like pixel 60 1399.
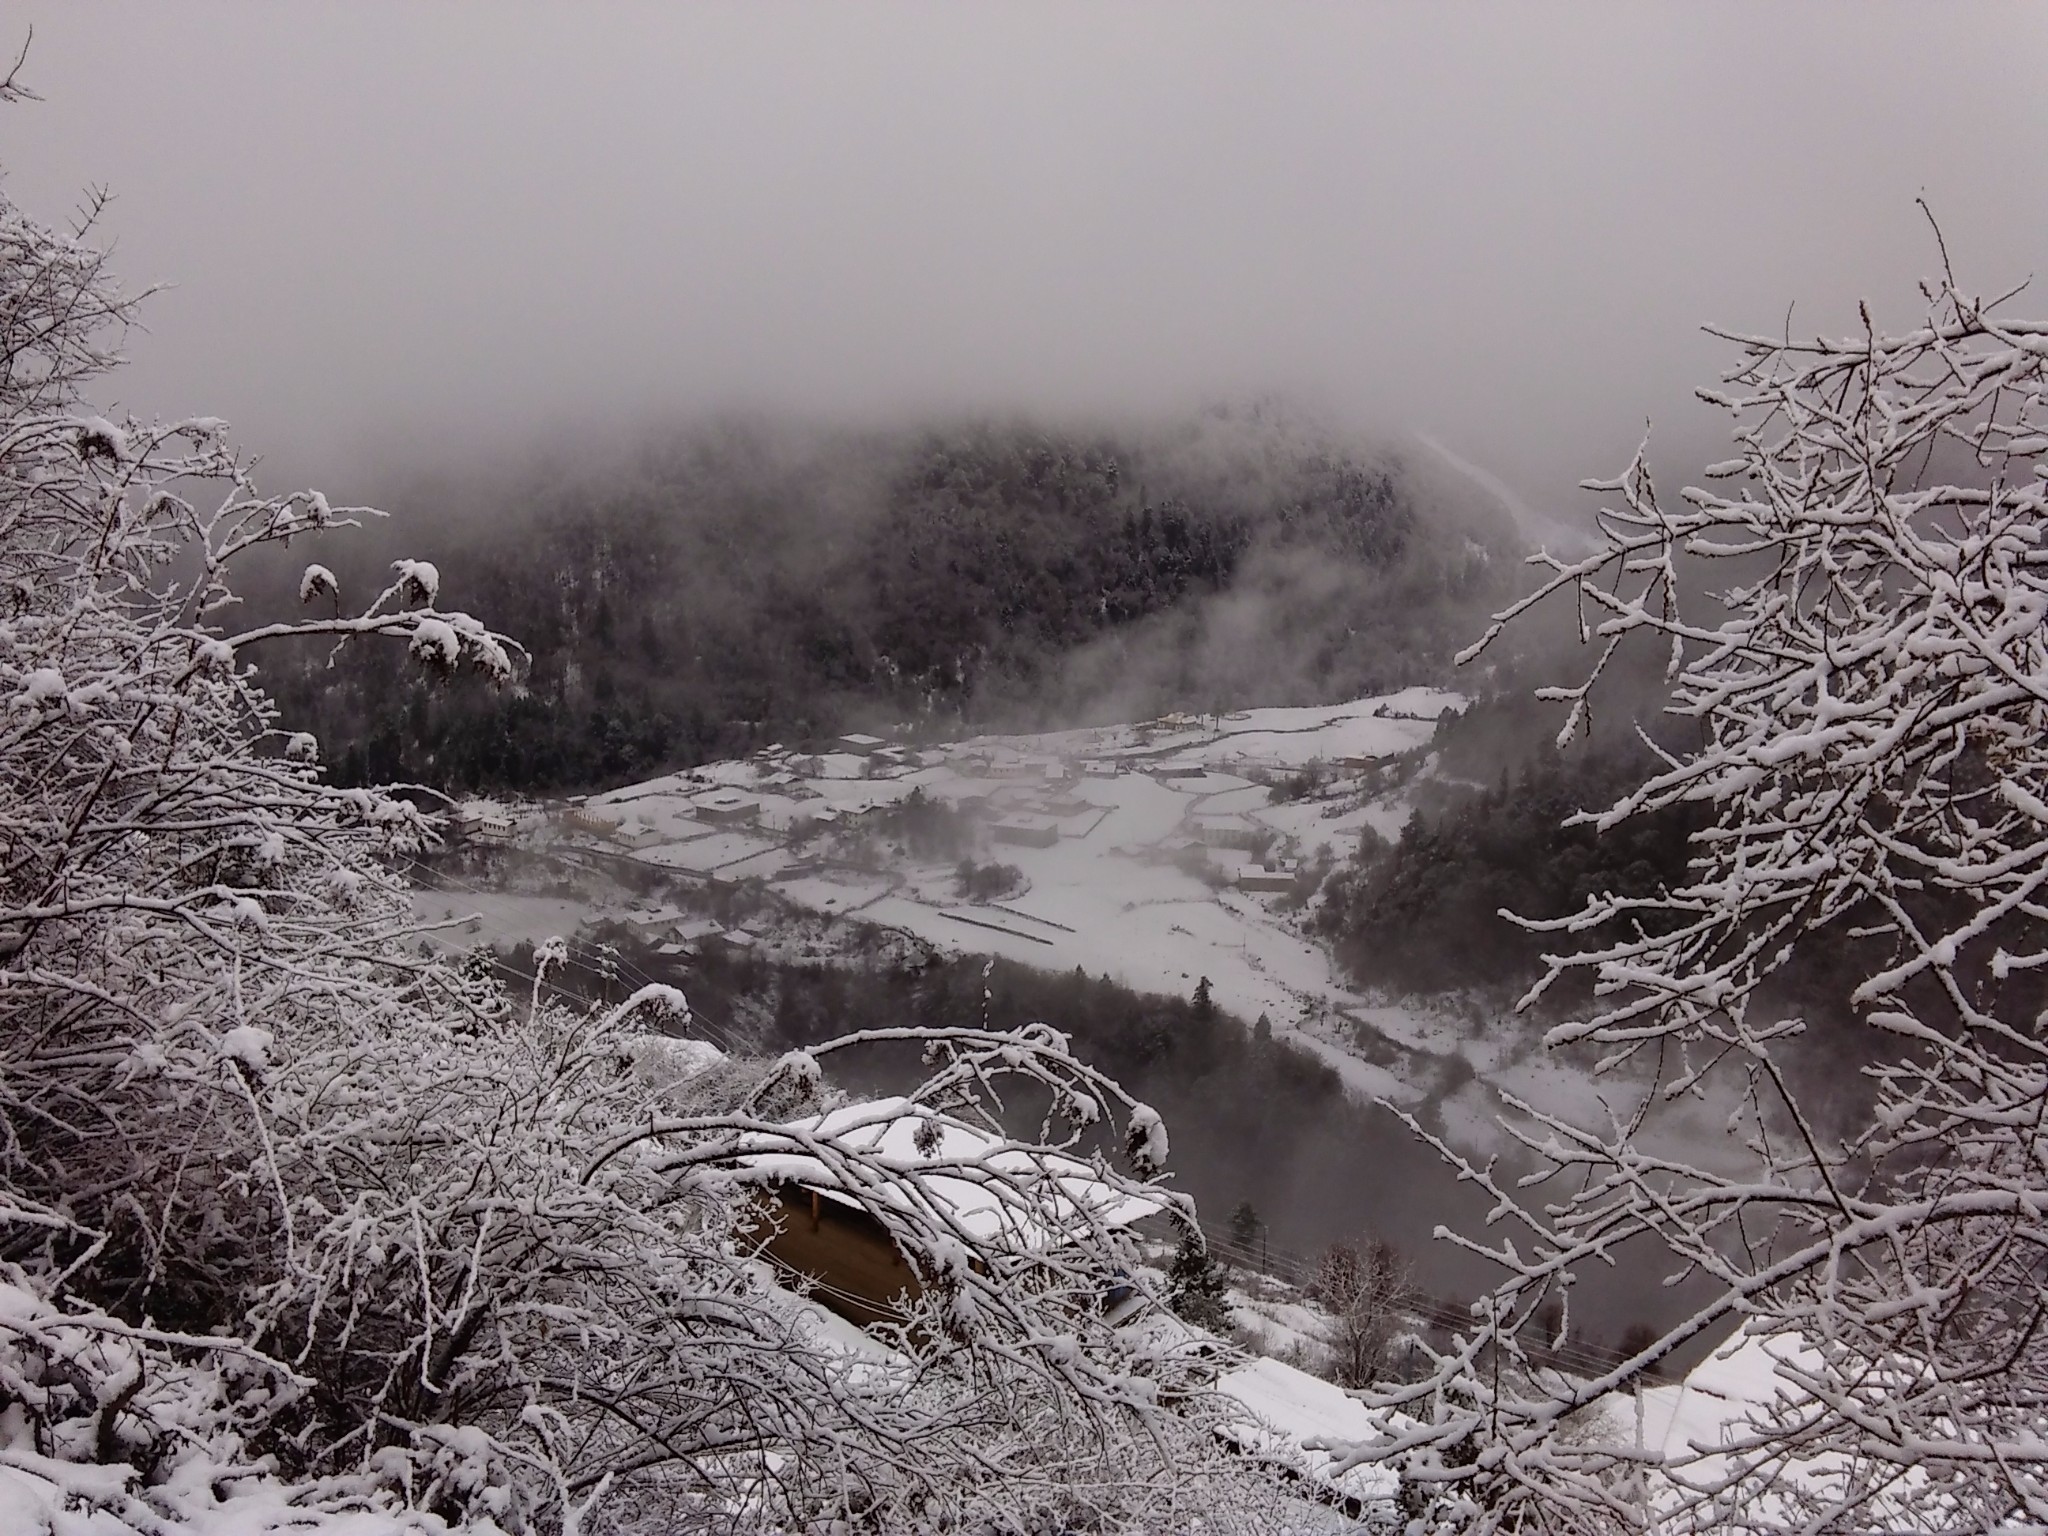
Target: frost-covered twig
pixel 1871 692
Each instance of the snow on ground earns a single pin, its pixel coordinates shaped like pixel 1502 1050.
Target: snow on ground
pixel 1314 822
pixel 705 854
pixel 1751 1378
pixel 1119 891
pixel 1289 1410
pixel 835 890
pixel 1715 1398
pixel 1115 894
pixel 855 795
pixel 1279 1327
pixel 1369 728
pixel 501 915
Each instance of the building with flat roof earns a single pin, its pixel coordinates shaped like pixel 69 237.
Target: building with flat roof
pixel 654 918
pixel 1027 831
pixel 484 821
pixel 727 806
pixel 581 818
pixel 1253 878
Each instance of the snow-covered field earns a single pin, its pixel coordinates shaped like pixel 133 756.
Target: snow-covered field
pixel 1117 893
pixel 1116 888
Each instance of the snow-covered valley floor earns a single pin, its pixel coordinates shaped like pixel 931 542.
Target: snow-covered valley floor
pixel 1142 851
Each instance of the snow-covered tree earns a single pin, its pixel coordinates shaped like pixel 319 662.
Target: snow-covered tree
pixel 297 1221
pixel 1246 1225
pixel 1869 685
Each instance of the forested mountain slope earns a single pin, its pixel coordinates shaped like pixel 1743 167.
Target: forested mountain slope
pixel 708 590
pixel 1491 833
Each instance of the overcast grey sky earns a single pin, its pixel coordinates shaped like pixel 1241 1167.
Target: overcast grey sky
pixel 1501 225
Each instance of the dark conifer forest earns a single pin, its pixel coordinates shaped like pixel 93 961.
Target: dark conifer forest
pixel 701 593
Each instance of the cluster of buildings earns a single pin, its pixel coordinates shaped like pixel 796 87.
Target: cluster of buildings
pixel 747 819
pixel 617 822
pixel 675 934
pixel 1021 799
pixel 1026 801
pixel 489 821
pixel 854 755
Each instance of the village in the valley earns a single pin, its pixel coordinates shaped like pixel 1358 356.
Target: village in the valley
pixel 823 771
pixel 1159 853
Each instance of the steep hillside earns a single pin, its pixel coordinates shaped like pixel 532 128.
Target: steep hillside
pixel 704 592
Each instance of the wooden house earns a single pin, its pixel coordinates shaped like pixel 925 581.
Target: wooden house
pixel 817 1236
pixel 845 1256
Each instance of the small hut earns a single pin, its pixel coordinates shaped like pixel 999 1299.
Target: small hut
pixel 821 1238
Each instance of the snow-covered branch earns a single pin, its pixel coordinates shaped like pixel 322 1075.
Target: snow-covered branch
pixel 1870 688
pixel 297 1219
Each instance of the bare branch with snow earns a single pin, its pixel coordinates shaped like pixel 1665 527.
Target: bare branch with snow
pixel 1871 692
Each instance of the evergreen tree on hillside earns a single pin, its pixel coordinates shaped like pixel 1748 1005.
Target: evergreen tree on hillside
pixel 732 587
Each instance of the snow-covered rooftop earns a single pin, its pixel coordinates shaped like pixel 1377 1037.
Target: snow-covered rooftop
pixel 989 1189
pixel 725 799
